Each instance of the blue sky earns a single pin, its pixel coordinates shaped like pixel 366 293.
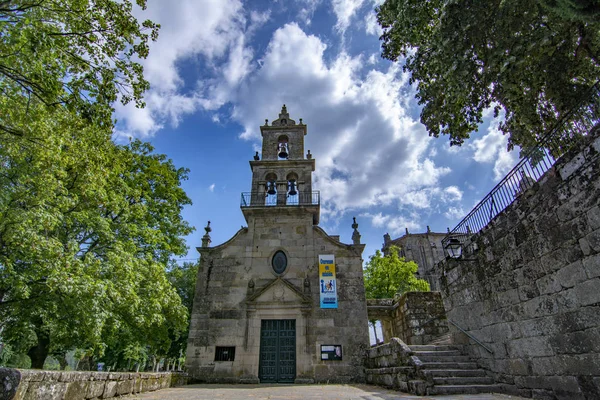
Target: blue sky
pixel 221 67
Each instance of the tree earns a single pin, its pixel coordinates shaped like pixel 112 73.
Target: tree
pixel 183 278
pixel 79 54
pixel 86 230
pixel 532 59
pixel 389 275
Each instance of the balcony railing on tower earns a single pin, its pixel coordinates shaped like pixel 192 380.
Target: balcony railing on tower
pixel 262 199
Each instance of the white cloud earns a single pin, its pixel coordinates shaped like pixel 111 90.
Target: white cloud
pixel 371 25
pixel 394 225
pixel 491 148
pixel 368 150
pixel 344 11
pixel 307 10
pixel 198 31
pixel 454 213
pixel 452 193
pixel 211 187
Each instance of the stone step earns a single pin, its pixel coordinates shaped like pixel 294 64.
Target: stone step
pixel 455 372
pixel 464 389
pixel 429 347
pixel 449 365
pixel 442 358
pixel 463 380
pixel 443 339
pixel 443 353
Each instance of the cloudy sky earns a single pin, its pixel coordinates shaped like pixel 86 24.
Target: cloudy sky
pixel 221 67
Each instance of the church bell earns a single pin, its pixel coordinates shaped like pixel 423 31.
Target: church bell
pixel 283 151
pixel 292 186
pixel 271 188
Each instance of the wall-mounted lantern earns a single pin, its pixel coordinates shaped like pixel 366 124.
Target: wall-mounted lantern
pixel 454 248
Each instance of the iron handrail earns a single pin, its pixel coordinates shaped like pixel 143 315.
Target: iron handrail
pixel 263 199
pixel 565 133
pixel 471 336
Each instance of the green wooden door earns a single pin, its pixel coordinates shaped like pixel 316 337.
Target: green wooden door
pixel 277 361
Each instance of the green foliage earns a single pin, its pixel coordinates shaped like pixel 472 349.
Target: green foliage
pixel 532 59
pixel 183 278
pixel 87 227
pixel 76 53
pixel 388 275
pixel 86 230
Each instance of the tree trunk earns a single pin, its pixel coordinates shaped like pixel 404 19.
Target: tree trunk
pixel 62 361
pixel 39 352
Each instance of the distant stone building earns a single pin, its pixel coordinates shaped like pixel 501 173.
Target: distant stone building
pixel 423 248
pixel 281 301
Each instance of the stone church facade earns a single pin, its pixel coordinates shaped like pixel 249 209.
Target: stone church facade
pixel 281 301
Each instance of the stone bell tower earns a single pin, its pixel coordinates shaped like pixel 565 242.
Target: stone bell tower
pixel 281 301
pixel 283 177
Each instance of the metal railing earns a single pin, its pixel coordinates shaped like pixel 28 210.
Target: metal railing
pixel 564 135
pixel 262 199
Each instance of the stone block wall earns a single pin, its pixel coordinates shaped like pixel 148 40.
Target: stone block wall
pixel 414 317
pixel 528 286
pixel 420 317
pixel 393 365
pixel 76 385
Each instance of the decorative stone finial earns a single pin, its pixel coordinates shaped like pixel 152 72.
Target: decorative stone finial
pixel 284 109
pixel 256 157
pixel 428 229
pixel 448 229
pixel 308 155
pixel 355 234
pixel 206 238
pixel 266 122
pixel 300 121
pixel 406 229
pixel 387 238
pixel 251 286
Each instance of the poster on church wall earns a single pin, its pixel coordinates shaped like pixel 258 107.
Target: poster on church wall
pixel 327 281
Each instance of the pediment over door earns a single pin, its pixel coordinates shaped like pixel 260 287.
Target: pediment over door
pixel 279 293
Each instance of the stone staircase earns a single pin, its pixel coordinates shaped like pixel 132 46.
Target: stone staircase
pixel 448 371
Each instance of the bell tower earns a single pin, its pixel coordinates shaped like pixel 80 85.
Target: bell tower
pixel 282 177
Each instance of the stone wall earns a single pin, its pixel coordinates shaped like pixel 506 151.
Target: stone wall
pixel 528 286
pixel 419 317
pixel 76 385
pixel 414 317
pixel 393 365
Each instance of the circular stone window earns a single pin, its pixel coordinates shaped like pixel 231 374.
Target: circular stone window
pixel 279 262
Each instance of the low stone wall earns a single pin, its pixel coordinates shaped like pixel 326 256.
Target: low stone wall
pixel 420 317
pixel 393 365
pixel 76 385
pixel 528 286
pixel 414 317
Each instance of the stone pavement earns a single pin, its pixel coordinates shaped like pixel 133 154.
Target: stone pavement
pixel 286 392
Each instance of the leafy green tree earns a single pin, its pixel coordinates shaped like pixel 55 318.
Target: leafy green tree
pixel 183 278
pixel 532 59
pixel 80 54
pixel 86 231
pixel 388 275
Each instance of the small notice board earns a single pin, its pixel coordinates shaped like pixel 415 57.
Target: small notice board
pixel 331 352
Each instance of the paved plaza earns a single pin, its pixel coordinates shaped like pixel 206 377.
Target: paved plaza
pixel 309 392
